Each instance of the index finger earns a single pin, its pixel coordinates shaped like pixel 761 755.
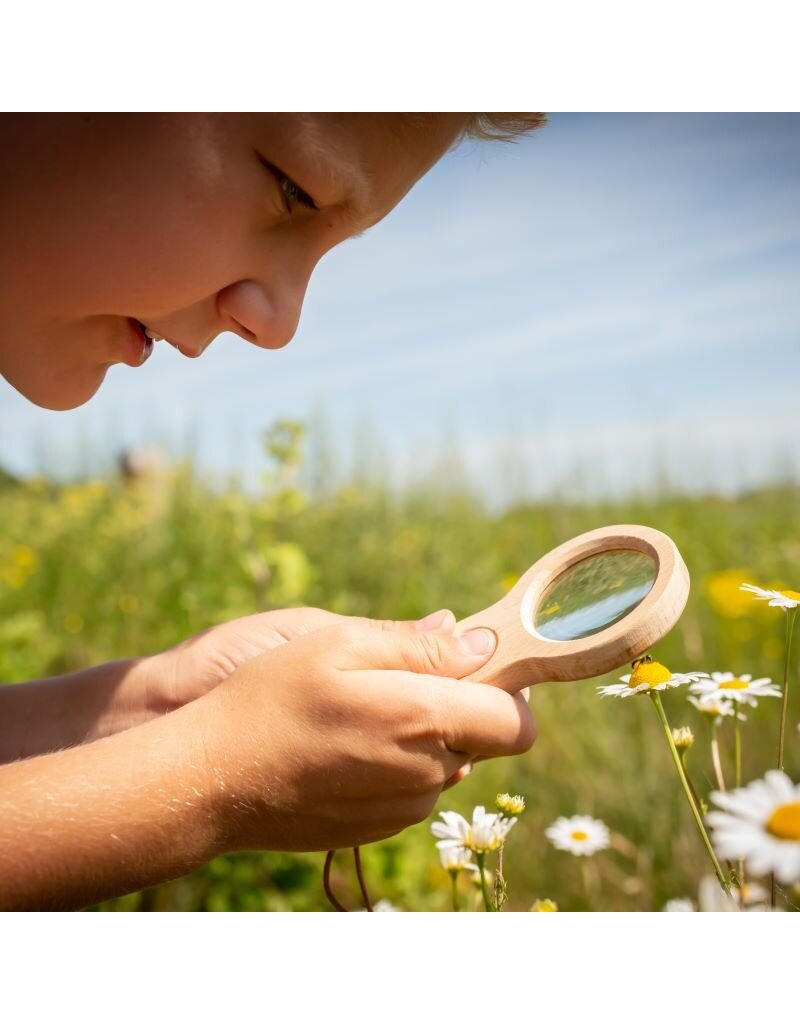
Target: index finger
pixel 482 720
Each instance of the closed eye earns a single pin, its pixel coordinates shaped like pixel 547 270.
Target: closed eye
pixel 292 193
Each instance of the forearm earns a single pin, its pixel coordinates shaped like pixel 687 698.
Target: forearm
pixel 52 714
pixel 121 814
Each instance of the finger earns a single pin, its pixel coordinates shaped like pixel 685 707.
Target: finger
pixel 458 776
pixel 484 721
pixel 291 623
pixel 442 621
pixel 379 645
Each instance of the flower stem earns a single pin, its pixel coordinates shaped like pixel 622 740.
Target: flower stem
pixel 454 884
pixel 682 775
pixel 790 616
pixel 692 790
pixel 737 748
pixel 737 756
pixel 715 758
pixel 487 904
pixel 499 882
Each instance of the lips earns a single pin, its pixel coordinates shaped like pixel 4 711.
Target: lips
pixel 137 345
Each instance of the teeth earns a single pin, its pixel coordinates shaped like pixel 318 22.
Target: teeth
pixel 152 334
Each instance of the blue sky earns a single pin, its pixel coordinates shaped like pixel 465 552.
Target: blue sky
pixel 614 297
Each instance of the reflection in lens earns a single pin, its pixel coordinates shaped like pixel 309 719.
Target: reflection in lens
pixel 594 594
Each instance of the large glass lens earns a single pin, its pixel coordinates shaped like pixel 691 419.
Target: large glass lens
pixel 594 594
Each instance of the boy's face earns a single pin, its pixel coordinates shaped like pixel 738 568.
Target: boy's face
pixel 190 224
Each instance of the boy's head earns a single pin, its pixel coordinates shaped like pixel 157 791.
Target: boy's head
pixel 187 225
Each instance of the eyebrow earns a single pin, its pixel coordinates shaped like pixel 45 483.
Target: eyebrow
pixel 352 181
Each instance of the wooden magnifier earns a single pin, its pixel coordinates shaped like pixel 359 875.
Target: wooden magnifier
pixel 589 606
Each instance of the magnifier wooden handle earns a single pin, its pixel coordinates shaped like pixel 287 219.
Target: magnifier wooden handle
pixel 524 657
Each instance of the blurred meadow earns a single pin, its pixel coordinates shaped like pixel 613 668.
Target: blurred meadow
pixel 116 566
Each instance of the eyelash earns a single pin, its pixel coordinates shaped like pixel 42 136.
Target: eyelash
pixel 291 191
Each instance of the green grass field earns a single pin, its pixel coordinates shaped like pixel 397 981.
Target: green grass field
pixel 104 569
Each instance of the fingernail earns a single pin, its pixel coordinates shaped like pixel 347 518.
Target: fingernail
pixel 432 621
pixel 478 641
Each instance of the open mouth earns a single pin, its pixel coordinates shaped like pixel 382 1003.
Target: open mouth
pixel 150 337
pixel 148 333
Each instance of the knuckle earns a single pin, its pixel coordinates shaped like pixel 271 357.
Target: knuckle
pixel 429 653
pixel 527 730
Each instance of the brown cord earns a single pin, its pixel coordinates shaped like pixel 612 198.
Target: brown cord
pixel 362 884
pixel 326 881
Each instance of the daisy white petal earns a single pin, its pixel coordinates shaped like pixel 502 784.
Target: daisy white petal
pixel 719 708
pixel 456 859
pixel 785 599
pixel 760 824
pixel 679 906
pixel 646 677
pixel 740 689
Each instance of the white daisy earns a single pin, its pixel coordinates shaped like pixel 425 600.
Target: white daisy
pixel 741 689
pixel 487 831
pixel 579 834
pixel 385 907
pixel 456 858
pixel 647 676
pixel 712 899
pixel 785 599
pixel 720 708
pixel 761 825
pixel 682 905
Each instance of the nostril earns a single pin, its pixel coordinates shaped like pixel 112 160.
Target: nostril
pixel 249 310
pixel 242 331
pixel 263 318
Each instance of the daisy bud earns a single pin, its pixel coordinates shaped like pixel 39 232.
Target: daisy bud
pixel 548 906
pixel 683 738
pixel 511 805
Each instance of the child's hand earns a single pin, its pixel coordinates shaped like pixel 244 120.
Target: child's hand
pixel 197 665
pixel 347 735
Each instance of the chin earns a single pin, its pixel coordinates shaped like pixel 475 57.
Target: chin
pixel 59 396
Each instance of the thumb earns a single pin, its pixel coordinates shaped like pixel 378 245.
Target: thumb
pixel 386 645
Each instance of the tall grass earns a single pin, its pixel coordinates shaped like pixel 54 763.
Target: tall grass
pixel 106 568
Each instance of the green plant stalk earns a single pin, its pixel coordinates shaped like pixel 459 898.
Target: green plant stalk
pixel 790 617
pixel 715 758
pixel 454 890
pixel 499 882
pixel 684 782
pixel 737 755
pixel 487 903
pixel 737 748
pixel 692 790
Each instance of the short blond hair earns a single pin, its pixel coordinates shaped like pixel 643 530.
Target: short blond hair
pixel 502 127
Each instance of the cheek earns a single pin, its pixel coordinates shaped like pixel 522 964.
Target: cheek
pixel 149 224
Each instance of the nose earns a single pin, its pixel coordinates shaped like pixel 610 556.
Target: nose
pixel 266 318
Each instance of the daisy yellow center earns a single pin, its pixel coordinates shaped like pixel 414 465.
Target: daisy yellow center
pixel 734 684
pixel 649 672
pixel 784 822
pixel 793 595
pixel 579 837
